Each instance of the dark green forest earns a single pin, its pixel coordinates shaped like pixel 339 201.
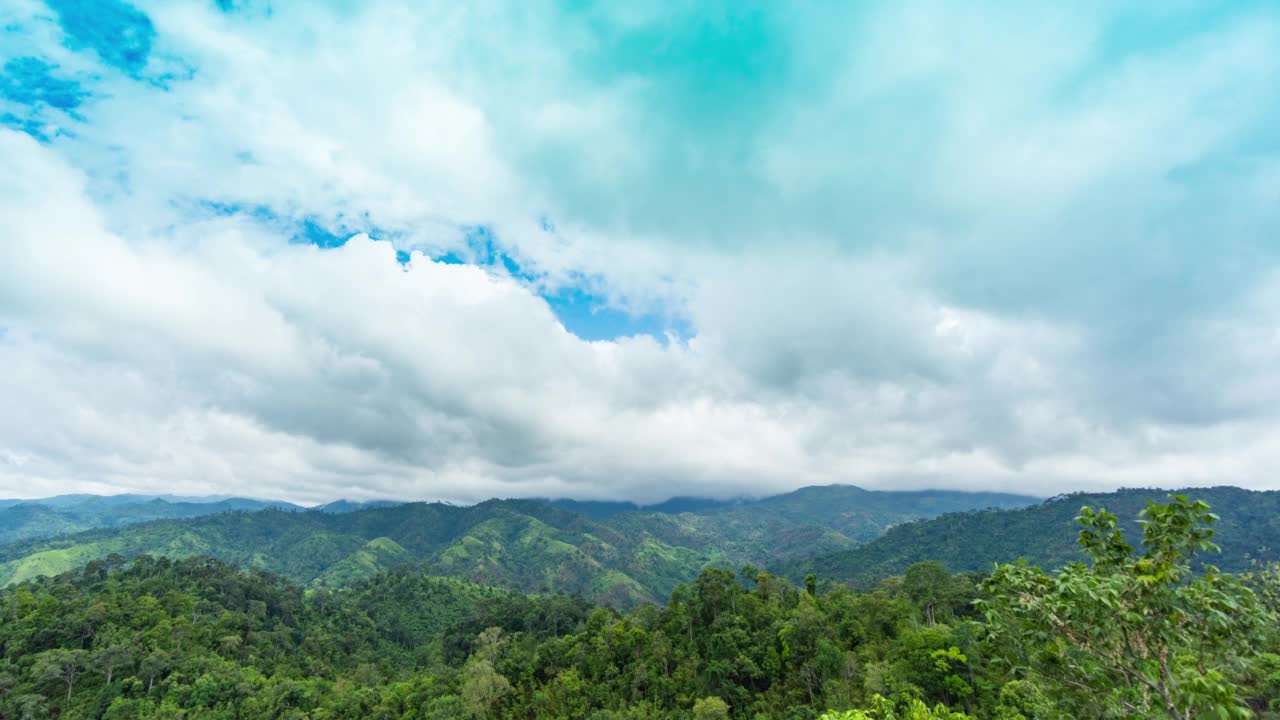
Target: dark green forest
pixel 1147 628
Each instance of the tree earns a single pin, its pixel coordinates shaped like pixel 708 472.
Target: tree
pixel 929 586
pixel 156 665
pixel 112 657
pixel 61 665
pixel 882 709
pixel 30 706
pixel 710 708
pixel 482 688
pixel 1139 634
pixel 489 645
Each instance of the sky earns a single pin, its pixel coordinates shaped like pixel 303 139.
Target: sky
pixel 440 250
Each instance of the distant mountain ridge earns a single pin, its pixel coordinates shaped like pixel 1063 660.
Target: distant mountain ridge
pixel 626 557
pixel 65 514
pixel 602 509
pixel 344 506
pixel 1045 534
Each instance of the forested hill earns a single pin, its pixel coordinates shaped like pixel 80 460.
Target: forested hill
pixel 1045 535
pixel 850 510
pixel 513 543
pixel 784 528
pixel 861 514
pixel 152 638
pixel 64 514
pixel 529 545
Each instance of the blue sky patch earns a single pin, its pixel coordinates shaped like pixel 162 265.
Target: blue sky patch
pixel 31 126
pixel 484 249
pixel 583 313
pixel 261 213
pixel 313 232
pixel 120 33
pixel 30 81
pixel 305 229
pixel 481 247
pixel 450 258
pixel 591 318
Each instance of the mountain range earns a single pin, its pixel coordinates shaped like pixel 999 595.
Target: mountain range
pixel 65 514
pixel 1045 534
pixel 616 555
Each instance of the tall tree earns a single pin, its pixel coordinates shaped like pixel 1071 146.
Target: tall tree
pixel 929 585
pixel 111 658
pixel 61 665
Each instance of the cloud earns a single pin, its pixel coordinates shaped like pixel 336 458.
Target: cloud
pixel 310 251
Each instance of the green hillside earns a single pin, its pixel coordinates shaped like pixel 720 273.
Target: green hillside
pixel 806 522
pixel 151 638
pixel 1045 535
pixel 863 514
pixel 516 544
pixel 523 544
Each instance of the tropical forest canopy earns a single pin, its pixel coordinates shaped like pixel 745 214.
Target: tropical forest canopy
pixel 1139 622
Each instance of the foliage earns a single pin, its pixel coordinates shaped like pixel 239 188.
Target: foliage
pixel 882 709
pixel 1134 634
pixel 710 708
pixel 153 637
pixel 146 637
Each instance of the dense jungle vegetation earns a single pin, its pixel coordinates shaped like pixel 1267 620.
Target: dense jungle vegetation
pixel 1143 630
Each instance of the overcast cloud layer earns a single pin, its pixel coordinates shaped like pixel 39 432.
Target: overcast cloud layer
pixel 634 250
